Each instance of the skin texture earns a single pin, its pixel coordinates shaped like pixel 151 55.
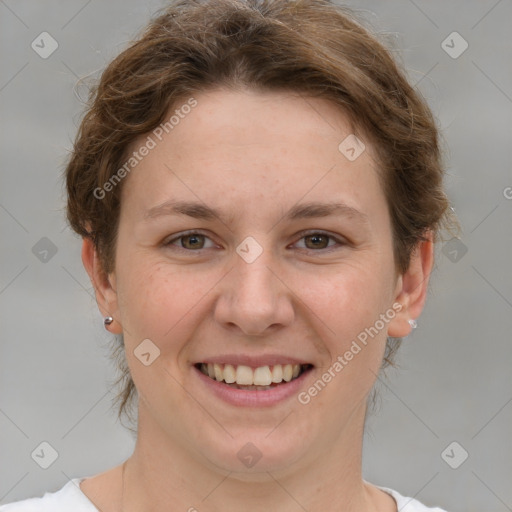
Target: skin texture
pixel 252 156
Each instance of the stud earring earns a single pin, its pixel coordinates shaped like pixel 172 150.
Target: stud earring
pixel 413 323
pixel 107 321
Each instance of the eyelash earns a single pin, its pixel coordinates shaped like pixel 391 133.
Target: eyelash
pixel 304 234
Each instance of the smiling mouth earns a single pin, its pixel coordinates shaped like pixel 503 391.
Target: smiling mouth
pixel 253 379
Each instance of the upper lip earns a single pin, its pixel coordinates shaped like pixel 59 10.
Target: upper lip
pixel 253 361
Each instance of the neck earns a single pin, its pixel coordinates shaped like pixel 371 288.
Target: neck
pixel 162 472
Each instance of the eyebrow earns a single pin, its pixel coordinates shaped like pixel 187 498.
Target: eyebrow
pixel 300 211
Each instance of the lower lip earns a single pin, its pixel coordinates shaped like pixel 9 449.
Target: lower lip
pixel 256 398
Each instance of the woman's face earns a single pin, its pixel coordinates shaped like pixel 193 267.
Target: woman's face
pixel 230 252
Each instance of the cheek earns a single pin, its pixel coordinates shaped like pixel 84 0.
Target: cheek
pixel 354 336
pixel 161 304
pixel 349 307
pixel 348 300
pixel 154 298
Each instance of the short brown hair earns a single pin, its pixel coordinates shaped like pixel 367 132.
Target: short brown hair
pixel 314 47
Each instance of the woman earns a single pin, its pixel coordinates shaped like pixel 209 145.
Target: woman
pixel 259 190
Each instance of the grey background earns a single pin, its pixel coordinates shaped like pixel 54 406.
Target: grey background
pixel 454 381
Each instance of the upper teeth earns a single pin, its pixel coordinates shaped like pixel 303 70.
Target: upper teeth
pixel 245 375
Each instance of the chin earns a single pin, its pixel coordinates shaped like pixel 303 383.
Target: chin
pixel 253 453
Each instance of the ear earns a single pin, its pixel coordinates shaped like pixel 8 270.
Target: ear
pixel 412 286
pixel 104 286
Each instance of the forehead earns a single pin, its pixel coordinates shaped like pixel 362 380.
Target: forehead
pixel 251 145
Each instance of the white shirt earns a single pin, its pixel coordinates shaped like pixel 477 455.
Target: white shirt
pixel 71 498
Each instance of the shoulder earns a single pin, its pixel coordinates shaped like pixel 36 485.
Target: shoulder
pixel 69 497
pixel 404 503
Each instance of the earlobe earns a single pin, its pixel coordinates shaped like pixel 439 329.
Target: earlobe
pixel 104 286
pixel 412 286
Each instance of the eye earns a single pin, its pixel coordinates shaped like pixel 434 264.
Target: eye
pixel 189 241
pixel 318 240
pixel 194 241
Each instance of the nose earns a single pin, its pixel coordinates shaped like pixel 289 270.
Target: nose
pixel 254 298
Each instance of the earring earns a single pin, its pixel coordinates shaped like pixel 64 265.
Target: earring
pixel 107 321
pixel 413 323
